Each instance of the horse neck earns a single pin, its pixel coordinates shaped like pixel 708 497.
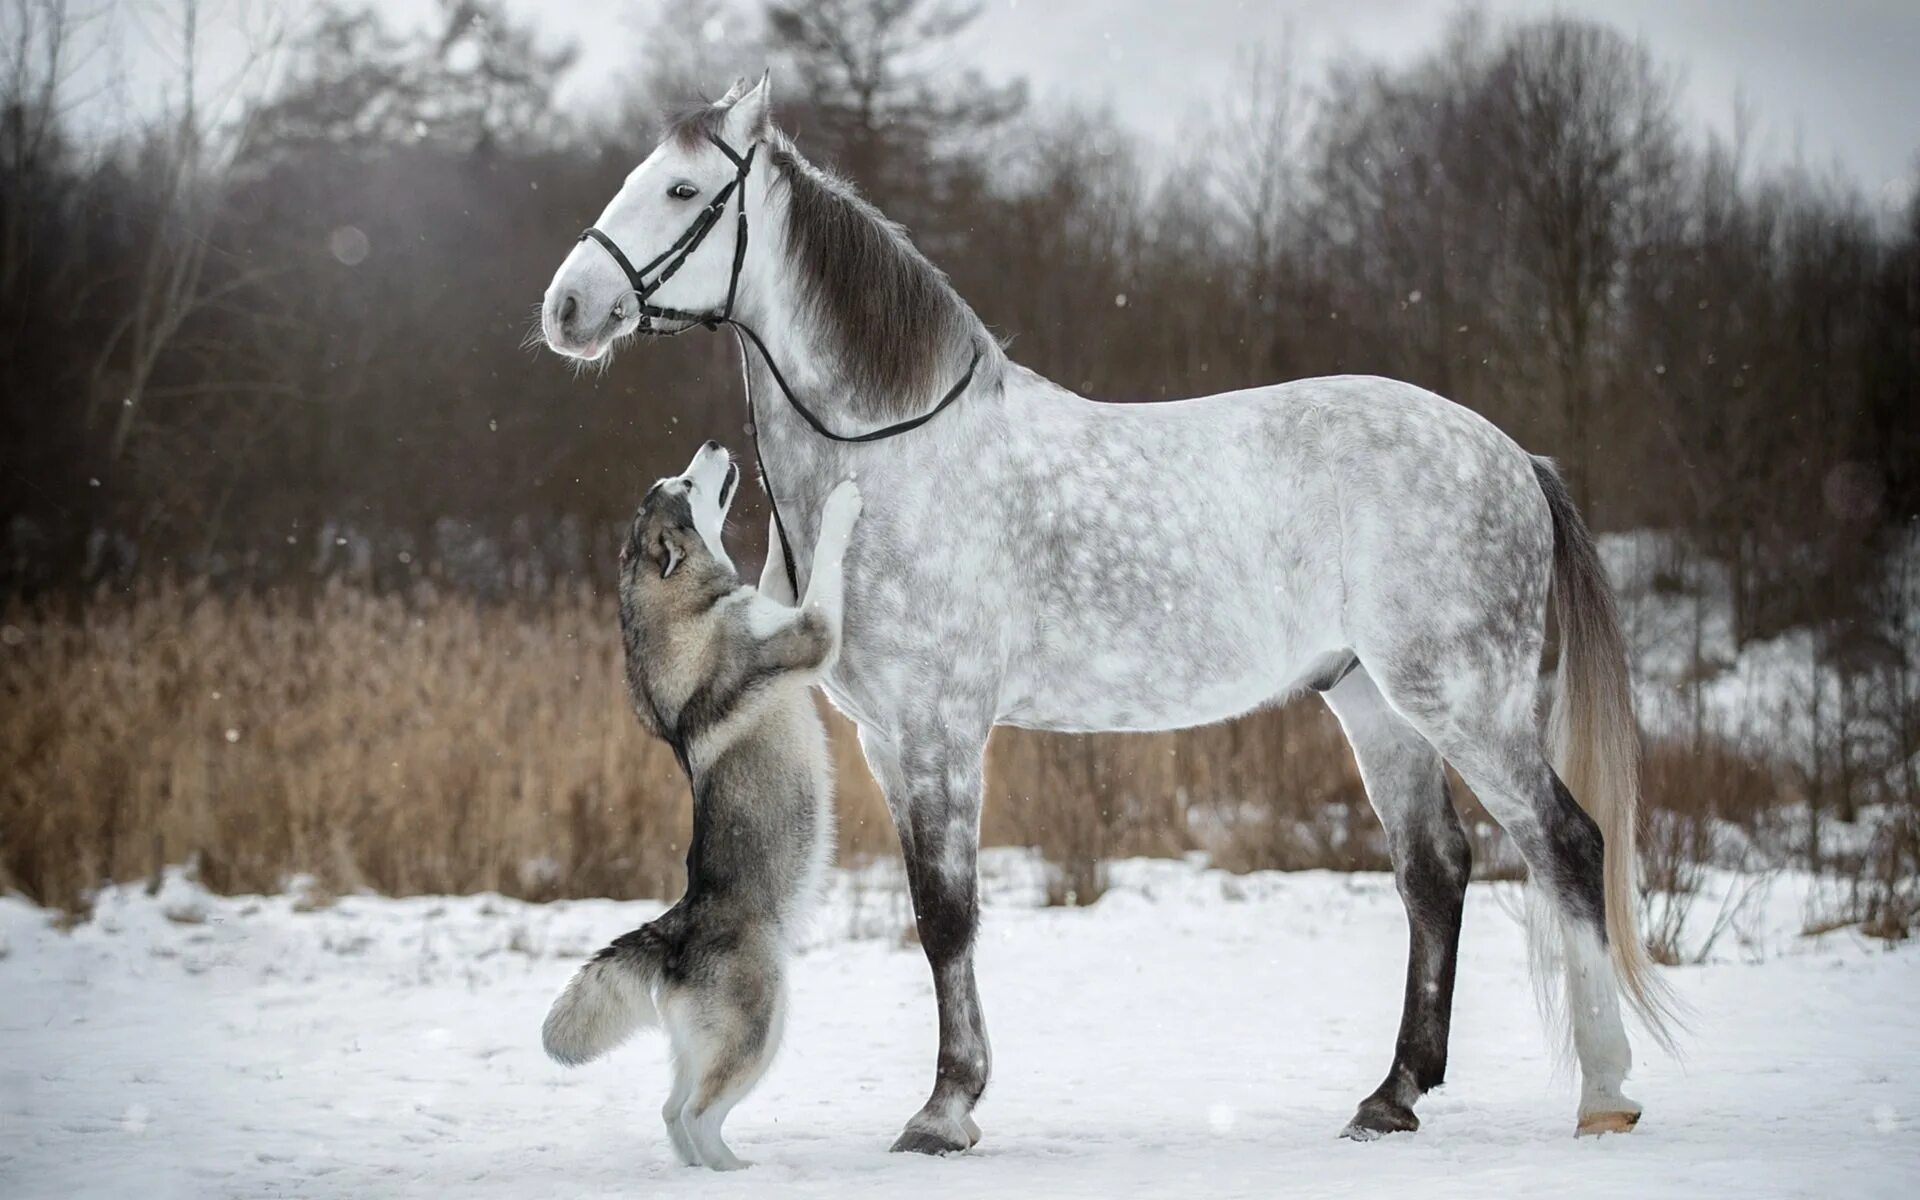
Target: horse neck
pixel 769 306
pixel 800 463
pixel 771 303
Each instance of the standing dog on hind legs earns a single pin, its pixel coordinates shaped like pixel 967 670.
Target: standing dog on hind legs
pixel 723 674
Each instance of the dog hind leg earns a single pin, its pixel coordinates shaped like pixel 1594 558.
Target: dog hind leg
pixel 739 1046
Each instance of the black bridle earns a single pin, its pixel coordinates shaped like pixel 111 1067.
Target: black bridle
pixel 675 256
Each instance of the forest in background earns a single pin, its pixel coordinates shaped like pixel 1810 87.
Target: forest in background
pixel 265 364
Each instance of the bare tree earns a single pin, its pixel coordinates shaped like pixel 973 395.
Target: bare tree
pixel 689 51
pixel 191 149
pixel 1257 148
pixel 39 65
pixel 881 94
pixel 1583 125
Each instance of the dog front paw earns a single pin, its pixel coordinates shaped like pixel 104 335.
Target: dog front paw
pixel 842 510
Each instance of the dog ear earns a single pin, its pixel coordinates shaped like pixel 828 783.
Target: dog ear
pixel 672 549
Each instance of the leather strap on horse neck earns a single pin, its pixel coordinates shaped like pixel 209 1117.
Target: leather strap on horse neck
pixel 820 427
pixel 676 255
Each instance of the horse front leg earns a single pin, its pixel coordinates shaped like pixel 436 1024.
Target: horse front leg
pixel 933 780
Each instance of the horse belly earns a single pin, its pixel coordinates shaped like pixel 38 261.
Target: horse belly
pixel 1173 663
pixel 1099 697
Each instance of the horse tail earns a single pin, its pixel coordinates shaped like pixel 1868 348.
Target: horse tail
pixel 609 999
pixel 1594 740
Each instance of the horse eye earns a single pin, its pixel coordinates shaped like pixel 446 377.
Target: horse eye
pixel 683 191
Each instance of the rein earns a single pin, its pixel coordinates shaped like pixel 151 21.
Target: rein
pixel 676 255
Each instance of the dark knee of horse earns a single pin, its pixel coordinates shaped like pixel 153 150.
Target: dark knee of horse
pixel 1433 875
pixel 946 907
pixel 946 925
pixel 1432 856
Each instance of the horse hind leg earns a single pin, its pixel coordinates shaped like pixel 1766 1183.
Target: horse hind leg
pixel 1592 988
pixel 1488 732
pixel 1407 786
pixel 1564 850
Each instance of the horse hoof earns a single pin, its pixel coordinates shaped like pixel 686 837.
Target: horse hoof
pixel 937 1132
pixel 923 1139
pixel 1378 1117
pixel 1594 1124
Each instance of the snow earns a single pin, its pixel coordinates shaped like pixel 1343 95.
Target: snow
pixel 1192 1033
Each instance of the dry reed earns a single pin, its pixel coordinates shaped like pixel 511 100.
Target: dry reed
pixel 433 743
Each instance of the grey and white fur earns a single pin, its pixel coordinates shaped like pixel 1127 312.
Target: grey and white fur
pixel 723 675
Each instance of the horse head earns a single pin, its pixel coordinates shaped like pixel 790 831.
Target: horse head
pixel 674 217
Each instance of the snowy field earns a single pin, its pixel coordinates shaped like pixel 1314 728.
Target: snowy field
pixel 1192 1034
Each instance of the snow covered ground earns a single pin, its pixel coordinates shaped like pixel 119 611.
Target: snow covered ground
pixel 1192 1034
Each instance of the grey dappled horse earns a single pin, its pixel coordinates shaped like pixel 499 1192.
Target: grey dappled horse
pixel 1030 557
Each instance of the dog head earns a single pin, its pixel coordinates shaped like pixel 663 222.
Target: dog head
pixel 679 525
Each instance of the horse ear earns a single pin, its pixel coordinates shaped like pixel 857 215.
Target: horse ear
pixel 738 90
pixel 749 118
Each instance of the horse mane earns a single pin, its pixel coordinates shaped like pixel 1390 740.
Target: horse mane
pixel 897 331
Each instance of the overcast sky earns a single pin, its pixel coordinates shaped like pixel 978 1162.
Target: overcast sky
pixel 1835 82
pixel 1828 80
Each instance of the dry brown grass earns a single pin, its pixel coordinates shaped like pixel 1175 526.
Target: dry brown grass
pixel 1711 778
pixel 430 743
pixel 424 744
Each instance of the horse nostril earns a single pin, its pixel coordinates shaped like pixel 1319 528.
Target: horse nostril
pixel 711 446
pixel 569 305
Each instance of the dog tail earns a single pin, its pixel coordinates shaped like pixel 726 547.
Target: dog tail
pixel 609 1000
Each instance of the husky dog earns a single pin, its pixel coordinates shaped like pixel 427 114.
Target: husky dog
pixel 722 674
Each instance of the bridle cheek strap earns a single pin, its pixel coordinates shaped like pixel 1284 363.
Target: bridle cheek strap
pixel 676 255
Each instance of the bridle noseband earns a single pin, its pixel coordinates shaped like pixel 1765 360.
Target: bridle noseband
pixel 676 255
